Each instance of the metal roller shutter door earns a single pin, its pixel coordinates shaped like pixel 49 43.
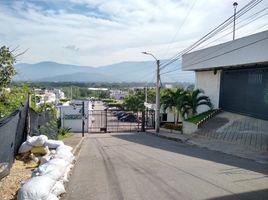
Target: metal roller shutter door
pixel 245 91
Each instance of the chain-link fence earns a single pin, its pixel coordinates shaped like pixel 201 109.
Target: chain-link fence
pixel 13 131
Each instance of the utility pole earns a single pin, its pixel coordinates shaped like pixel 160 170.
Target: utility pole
pixel 83 119
pixel 157 111
pixel 157 90
pixel 235 6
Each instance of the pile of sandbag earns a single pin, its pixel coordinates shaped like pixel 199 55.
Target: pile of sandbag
pixel 47 181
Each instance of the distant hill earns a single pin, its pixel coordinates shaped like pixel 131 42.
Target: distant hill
pixel 120 72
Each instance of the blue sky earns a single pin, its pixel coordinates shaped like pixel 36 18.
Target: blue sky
pixel 100 32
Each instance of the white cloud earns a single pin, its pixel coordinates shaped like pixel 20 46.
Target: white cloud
pixel 98 32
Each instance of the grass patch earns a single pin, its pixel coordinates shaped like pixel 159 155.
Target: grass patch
pixel 61 137
pixel 197 118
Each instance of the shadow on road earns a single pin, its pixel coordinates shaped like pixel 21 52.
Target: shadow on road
pixel 247 195
pixel 194 151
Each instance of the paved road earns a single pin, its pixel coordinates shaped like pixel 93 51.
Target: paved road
pixel 140 166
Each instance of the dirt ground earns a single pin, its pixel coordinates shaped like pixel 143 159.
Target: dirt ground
pixel 20 171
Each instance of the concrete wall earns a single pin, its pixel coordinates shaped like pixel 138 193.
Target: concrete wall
pixel 210 83
pixel 243 51
pixel 71 117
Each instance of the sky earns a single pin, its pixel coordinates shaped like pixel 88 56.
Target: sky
pixel 102 32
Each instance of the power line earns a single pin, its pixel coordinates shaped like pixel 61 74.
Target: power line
pixel 215 31
pixel 225 45
pixel 241 47
pixel 255 14
pixel 180 27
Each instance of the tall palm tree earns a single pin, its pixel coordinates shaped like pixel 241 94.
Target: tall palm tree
pixel 173 99
pixel 193 99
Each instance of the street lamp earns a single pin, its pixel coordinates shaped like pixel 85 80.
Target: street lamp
pixel 157 98
pixel 235 6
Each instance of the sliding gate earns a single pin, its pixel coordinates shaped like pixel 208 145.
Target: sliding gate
pixel 106 121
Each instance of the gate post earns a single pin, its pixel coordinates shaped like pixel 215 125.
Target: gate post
pixel 143 121
pixel 106 121
pixel 83 119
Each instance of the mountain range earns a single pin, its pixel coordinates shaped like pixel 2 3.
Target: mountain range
pixel 120 72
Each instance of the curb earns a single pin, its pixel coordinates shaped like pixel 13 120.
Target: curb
pixel 169 138
pixel 78 146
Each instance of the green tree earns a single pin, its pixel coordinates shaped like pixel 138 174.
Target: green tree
pixel 7 71
pixel 173 99
pixel 194 99
pixel 11 100
pixel 134 101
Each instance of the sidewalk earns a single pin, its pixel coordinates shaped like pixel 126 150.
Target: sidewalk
pixel 74 141
pixel 215 145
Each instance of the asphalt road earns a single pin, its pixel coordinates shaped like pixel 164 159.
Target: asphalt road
pixel 140 166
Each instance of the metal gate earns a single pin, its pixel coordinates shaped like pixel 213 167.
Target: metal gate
pixel 245 91
pixel 108 121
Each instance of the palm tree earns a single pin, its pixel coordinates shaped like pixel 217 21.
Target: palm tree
pixel 173 99
pixel 194 99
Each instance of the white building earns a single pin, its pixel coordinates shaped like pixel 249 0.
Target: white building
pixel 59 94
pixel 118 94
pixel 71 115
pixel 234 74
pixel 165 115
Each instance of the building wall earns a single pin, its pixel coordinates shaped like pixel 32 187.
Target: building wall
pixel 71 117
pixel 210 83
pixel 246 50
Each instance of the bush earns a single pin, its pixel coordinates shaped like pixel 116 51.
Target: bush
pixel 108 100
pixel 177 127
pixel 118 105
pixel 64 131
pixel 198 118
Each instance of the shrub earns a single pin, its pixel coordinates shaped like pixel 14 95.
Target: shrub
pixel 64 131
pixel 118 105
pixel 177 127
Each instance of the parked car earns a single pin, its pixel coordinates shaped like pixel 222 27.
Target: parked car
pixel 128 118
pixel 116 113
pixel 121 115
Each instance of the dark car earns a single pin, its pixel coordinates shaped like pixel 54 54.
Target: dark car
pixel 117 113
pixel 121 115
pixel 128 118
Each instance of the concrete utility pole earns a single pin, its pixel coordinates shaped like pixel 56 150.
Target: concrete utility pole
pixel 157 90
pixel 83 118
pixel 235 6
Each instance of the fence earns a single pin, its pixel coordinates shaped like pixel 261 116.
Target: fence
pixel 43 123
pixel 13 131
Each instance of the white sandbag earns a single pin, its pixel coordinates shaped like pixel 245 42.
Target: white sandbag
pixel 59 166
pixel 58 188
pixel 53 144
pixel 65 147
pixel 43 169
pixel 59 162
pixel 37 140
pixel 52 197
pixel 45 159
pixel 25 147
pixel 36 188
pixel 64 153
pixel 66 173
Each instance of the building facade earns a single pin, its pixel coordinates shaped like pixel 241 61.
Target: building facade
pixel 234 74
